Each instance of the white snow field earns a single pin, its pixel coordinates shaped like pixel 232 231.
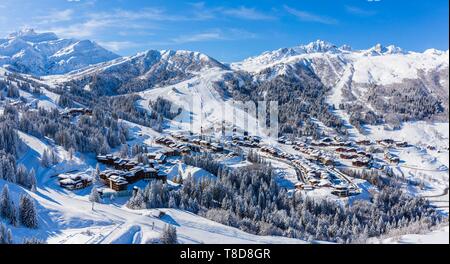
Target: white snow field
pixel 440 236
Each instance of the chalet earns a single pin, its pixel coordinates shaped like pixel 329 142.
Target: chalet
pixel 216 147
pixel 194 148
pixel 325 175
pixel 151 156
pixel 171 152
pixel 391 158
pixel 119 164
pixel 281 140
pixel 341 191
pixel 308 187
pixel 74 181
pixel 345 144
pixel 327 140
pixel 338 139
pixel 324 183
pixel 117 183
pixel 401 144
pixel 430 147
pixel 364 142
pixel 185 150
pixel 348 156
pixel 341 149
pixel 326 160
pixel 319 143
pixel 299 185
pixel 235 138
pixel 205 143
pixel 360 162
pixel 129 165
pixel 196 141
pixel 119 180
pixel 76 111
pixel 256 139
pixel 351 150
pixel 315 155
pixel 312 174
pixel 345 150
pixel 160 158
pixel 386 142
pixel 313 181
pixel 107 159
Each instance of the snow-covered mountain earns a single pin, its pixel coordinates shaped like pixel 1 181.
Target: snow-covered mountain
pixel 357 80
pixel 377 60
pixel 35 53
pixel 145 70
pixel 361 77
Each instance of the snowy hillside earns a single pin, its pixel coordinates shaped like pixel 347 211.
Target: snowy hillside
pixel 44 53
pixel 143 71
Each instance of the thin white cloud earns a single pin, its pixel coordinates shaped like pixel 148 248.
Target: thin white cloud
pixel 81 30
pixel 202 12
pixel 117 45
pixel 247 13
pixel 56 16
pixel 310 17
pixel 214 35
pixel 359 11
pixel 149 14
pixel 199 37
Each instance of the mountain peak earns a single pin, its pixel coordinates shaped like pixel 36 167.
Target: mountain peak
pixel 30 35
pixel 318 46
pixel 379 49
pixel 43 53
pixel 22 33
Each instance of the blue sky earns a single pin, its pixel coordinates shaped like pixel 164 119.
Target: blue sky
pixel 233 30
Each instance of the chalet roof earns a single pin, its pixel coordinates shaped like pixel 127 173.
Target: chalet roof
pixel 74 176
pixel 69 181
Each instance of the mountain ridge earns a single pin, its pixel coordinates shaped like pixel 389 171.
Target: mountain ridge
pixel 45 53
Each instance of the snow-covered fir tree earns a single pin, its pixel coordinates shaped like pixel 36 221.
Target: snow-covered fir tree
pixel 6 205
pixel 169 235
pixel 5 235
pixel 94 196
pixel 27 211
